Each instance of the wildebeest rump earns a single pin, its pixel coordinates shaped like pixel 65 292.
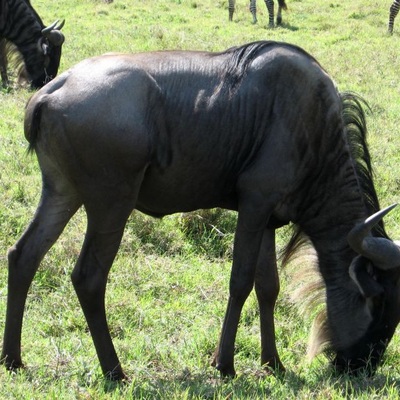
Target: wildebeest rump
pixel 260 129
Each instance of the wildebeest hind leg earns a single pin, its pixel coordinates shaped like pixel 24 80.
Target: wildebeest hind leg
pixel 267 290
pixel 106 222
pixel 53 213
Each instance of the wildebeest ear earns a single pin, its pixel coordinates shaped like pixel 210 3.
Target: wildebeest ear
pixel 362 277
pixel 43 46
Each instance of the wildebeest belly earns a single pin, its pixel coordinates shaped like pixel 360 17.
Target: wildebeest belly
pixel 180 189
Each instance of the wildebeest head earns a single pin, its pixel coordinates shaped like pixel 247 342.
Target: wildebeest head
pixel 366 320
pixel 49 45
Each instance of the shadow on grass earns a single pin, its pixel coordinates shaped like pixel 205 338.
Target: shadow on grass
pixel 288 26
pixel 360 386
pixel 207 384
pixel 258 385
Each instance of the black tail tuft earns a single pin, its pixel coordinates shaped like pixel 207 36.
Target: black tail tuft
pixel 32 124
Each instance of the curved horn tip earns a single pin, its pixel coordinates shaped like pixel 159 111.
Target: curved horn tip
pixel 60 25
pixel 357 235
pixel 49 28
pixel 375 218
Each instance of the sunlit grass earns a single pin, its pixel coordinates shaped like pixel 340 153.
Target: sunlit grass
pixel 168 287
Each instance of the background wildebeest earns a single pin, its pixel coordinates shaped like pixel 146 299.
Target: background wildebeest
pixel 260 129
pixel 39 46
pixel 253 10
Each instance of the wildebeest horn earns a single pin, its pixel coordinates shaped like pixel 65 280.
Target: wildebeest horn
pixel 58 27
pixel 382 252
pixel 53 34
pixel 53 26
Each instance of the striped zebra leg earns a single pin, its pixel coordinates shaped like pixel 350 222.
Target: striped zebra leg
pixel 394 10
pixel 253 10
pixel 231 8
pixel 270 7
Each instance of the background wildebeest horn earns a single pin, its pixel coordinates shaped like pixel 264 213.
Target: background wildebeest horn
pixel 53 26
pixel 53 34
pixel 383 253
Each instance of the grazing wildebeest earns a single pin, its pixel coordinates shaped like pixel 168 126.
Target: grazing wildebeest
pixel 39 46
pixel 260 129
pixel 253 10
pixel 393 11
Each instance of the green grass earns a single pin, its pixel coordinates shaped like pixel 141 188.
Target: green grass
pixel 168 287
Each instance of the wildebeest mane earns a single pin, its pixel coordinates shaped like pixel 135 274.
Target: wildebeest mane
pixel 356 132
pixel 240 59
pixel 310 292
pixel 242 56
pixel 16 60
pixel 354 120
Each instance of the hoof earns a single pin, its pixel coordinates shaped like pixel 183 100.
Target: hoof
pixel 226 371
pixel 12 366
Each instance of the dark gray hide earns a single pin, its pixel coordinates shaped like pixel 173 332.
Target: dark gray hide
pixel 259 129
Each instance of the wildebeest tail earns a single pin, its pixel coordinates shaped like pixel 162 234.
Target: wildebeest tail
pixel 33 117
pixel 282 4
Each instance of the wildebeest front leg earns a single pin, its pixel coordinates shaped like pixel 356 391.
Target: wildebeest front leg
pixel 249 232
pixel 24 258
pixel 106 223
pixel 267 290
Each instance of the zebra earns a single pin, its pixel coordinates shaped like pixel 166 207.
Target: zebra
pixel 39 46
pixel 394 10
pixel 253 9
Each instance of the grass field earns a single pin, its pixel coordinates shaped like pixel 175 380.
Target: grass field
pixel 168 288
